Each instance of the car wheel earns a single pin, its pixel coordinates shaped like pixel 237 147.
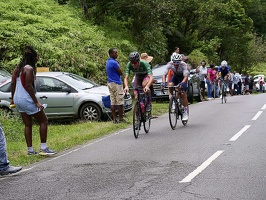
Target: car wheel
pixel 90 112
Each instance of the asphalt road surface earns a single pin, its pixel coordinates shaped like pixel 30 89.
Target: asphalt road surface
pixel 219 155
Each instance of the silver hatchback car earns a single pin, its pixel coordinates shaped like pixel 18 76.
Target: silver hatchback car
pixel 68 96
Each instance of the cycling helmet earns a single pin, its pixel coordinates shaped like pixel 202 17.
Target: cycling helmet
pixel 223 63
pixel 134 56
pixel 177 58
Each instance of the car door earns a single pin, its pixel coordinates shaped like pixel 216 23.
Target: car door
pixel 56 94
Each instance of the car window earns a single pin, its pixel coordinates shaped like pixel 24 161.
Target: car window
pixel 78 81
pixel 48 84
pixel 6 87
pixel 159 71
pixel 4 75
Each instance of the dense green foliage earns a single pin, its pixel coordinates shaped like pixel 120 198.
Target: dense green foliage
pixel 75 35
pixel 64 41
pixel 214 30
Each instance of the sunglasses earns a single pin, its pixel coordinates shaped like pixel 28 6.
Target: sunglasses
pixel 134 62
pixel 176 63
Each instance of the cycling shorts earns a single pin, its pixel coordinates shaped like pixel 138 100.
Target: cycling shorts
pixel 138 81
pixel 176 79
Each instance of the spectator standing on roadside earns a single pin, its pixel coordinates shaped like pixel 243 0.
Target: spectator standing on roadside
pixel 23 89
pixel 261 82
pixel 240 85
pixel 175 53
pixel 5 167
pixel 235 83
pixel 146 57
pixel 251 85
pixel 210 80
pixel 217 83
pixel 202 70
pixel 247 82
pixel 230 83
pixel 115 85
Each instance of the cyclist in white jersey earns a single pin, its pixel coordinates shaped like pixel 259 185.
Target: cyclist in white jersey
pixel 180 78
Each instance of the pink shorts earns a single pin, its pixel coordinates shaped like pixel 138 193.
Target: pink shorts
pixel 138 82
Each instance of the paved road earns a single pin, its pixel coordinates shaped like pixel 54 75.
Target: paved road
pixel 220 154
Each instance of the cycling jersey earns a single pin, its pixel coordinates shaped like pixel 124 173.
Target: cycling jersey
pixel 144 69
pixel 140 74
pixel 180 71
pixel 224 71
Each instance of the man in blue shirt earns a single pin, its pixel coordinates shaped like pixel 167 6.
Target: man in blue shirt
pixel 115 85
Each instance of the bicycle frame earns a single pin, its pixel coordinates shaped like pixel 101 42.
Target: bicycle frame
pixel 224 86
pixel 140 112
pixel 177 103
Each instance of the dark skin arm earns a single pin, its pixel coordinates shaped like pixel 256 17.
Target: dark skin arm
pixel 119 71
pixel 29 79
pixel 13 86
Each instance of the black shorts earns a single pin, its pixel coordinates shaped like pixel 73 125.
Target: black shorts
pixel 202 84
pixel 177 78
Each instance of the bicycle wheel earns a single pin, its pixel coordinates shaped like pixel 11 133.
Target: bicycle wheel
pixel 147 120
pixel 172 113
pixel 136 120
pixel 225 97
pixel 223 93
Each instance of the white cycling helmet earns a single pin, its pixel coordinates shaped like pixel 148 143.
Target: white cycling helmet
pixel 177 58
pixel 223 63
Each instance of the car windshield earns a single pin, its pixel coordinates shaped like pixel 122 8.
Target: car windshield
pixel 78 81
pixel 4 75
pixel 158 71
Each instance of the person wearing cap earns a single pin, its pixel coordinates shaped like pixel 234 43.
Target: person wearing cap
pixel 146 57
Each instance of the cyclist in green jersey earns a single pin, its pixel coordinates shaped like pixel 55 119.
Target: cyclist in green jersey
pixel 143 74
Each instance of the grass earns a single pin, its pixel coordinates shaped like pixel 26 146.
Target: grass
pixel 61 135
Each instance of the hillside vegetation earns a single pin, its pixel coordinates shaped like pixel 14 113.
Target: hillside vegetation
pixel 62 38
pixel 74 35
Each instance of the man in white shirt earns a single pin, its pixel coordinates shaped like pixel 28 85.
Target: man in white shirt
pixel 202 70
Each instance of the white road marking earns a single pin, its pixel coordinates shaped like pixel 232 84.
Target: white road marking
pixel 263 107
pixel 204 165
pixel 257 115
pixel 236 136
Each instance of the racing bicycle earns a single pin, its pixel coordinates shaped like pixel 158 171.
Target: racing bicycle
pixel 141 112
pixel 224 87
pixel 176 108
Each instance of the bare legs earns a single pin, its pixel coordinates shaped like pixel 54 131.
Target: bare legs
pixel 183 94
pixel 41 118
pixel 120 112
